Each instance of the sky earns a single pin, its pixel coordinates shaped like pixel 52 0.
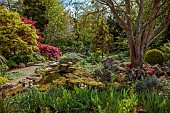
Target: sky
pixel 72 7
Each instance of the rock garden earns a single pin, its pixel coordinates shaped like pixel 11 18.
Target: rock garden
pixel 88 61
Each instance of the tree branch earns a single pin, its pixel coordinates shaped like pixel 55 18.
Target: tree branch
pixel 156 16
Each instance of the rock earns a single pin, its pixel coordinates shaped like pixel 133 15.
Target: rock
pixel 21 65
pixel 71 69
pixel 16 66
pixel 6 86
pixel 122 69
pixel 106 75
pixel 26 82
pixel 123 61
pixel 157 70
pixel 141 111
pixel 53 64
pixel 97 73
pixel 70 63
pixel 166 69
pixel 14 90
pixel 63 68
pixel 122 65
pixel 31 78
pixel 107 62
pixel 30 64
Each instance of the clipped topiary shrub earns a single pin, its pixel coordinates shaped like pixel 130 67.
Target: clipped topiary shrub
pixel 154 56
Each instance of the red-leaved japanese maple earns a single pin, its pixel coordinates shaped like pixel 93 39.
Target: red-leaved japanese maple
pixel 48 50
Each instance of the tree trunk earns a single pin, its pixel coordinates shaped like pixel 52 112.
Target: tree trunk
pixel 136 52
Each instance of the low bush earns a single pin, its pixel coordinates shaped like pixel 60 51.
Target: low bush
pixel 10 63
pixel 148 83
pixel 22 58
pixel 71 57
pixel 154 56
pixel 3 80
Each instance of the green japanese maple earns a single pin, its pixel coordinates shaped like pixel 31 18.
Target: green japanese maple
pixel 15 36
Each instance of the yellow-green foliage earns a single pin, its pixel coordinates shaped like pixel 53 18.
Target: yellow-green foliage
pixel 166 51
pixel 3 80
pixel 15 36
pixel 154 56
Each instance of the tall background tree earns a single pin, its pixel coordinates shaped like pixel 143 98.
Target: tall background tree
pixel 143 21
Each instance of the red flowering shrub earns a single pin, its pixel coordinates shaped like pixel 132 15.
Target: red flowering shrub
pixel 48 50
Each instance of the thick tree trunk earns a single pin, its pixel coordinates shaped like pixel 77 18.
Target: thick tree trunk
pixel 136 53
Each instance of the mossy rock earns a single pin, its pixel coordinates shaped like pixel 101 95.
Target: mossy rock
pixel 94 83
pixel 44 87
pixel 60 81
pixel 116 85
pixel 49 78
pixel 75 81
pixel 14 90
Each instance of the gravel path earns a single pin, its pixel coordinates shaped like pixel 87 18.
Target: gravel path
pixel 27 71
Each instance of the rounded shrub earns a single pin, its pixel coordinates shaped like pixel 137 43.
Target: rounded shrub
pixel 154 56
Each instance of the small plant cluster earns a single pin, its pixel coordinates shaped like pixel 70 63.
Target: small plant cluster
pixel 59 99
pixel 48 50
pixel 148 83
pixel 62 100
pixel 71 57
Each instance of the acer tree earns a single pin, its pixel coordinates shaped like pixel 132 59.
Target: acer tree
pixel 142 20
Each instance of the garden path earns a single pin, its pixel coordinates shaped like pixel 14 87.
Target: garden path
pixel 26 71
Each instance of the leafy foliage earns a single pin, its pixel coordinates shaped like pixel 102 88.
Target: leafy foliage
pixel 49 51
pixel 22 58
pixel 13 75
pixel 166 51
pixel 119 41
pixel 154 56
pixel 80 99
pixel 2 60
pixel 57 31
pixel 148 83
pixel 154 102
pixel 16 37
pixel 71 57
pixel 3 80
